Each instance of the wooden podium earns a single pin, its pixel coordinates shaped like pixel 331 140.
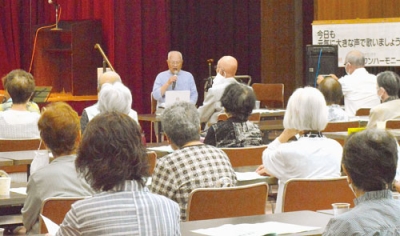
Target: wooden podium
pixel 66 59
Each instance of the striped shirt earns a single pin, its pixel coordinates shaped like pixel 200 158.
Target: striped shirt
pixel 376 213
pixel 200 166
pixel 131 210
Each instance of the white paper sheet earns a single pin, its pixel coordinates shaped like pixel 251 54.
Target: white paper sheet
pixel 52 227
pixel 20 190
pixel 244 176
pixel 263 110
pixel 257 229
pixel 166 148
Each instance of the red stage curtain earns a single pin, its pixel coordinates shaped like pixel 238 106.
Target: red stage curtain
pixel 135 36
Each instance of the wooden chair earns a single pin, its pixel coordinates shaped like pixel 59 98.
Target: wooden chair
pixel 14 145
pixel 315 194
pixel 55 208
pixel 363 112
pixel 254 117
pixel 245 156
pixel 393 124
pixel 152 156
pixel 341 126
pixel 153 108
pixel 212 203
pixel 269 95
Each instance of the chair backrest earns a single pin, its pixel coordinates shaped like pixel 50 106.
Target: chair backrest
pixel 152 156
pixel 393 124
pixel 212 203
pixel 55 208
pixel 245 156
pixel 269 95
pixel 363 112
pixel 12 145
pixel 341 126
pixel 315 194
pixel 254 117
pixel 153 103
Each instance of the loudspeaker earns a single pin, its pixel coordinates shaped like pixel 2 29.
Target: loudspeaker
pixel 321 60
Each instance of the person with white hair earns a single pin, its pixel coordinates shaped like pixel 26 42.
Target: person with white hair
pixel 312 155
pixel 88 113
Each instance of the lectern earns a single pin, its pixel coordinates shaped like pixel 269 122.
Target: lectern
pixel 66 59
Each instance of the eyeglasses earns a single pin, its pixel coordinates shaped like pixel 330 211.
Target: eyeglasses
pixel 175 63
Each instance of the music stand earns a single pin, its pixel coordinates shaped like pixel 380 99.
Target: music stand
pixel 41 94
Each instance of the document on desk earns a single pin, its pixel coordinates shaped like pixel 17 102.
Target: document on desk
pixel 268 110
pixel 165 148
pixel 257 229
pixel 244 176
pixel 52 227
pixel 20 190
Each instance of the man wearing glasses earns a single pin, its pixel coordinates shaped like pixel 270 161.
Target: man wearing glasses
pixel 174 79
pixel 358 86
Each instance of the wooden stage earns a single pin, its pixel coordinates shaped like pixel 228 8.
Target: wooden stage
pixel 77 102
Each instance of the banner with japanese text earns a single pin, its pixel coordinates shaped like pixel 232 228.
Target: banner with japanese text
pixel 379 41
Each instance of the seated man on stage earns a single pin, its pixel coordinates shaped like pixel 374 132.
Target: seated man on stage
pixel 109 77
pixel 174 79
pixel 17 121
pixel 192 164
pixel 211 108
pixel 60 131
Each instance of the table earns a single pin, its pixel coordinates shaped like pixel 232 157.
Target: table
pixel 11 221
pixel 341 136
pixel 271 119
pixel 6 162
pixel 305 218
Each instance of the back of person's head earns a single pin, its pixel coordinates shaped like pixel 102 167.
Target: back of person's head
pixel 181 123
pixel 356 58
pixel 229 65
pixel 59 128
pixel 20 85
pixel 111 151
pixel 238 100
pixel 108 77
pixel 306 110
pixel 370 159
pixel 332 90
pixel 115 97
pixel 390 82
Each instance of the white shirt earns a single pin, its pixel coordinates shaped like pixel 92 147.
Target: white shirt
pixel 359 90
pixel 19 124
pixel 305 158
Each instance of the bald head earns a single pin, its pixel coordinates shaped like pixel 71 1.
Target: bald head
pixel 229 65
pixel 108 77
pixel 354 60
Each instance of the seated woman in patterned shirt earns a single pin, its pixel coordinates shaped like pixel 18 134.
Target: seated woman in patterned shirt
pixel 369 160
pixel 238 101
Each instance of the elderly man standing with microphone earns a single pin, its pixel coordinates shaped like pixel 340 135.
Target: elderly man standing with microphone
pixel 174 79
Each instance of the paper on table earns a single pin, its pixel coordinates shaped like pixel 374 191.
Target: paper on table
pixel 243 176
pixel 267 110
pixel 20 190
pixel 166 148
pixel 257 229
pixel 52 227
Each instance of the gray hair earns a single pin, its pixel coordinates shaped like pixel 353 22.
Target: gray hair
pixel 306 110
pixel 179 53
pixel 115 97
pixel 356 58
pixel 181 123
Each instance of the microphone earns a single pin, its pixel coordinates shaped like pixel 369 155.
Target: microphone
pixel 174 83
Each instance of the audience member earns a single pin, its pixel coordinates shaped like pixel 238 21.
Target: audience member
pixel 332 91
pixel 211 108
pixel 358 85
pixel 192 164
pixel 312 155
pixel 238 101
pixel 114 162
pixel 109 77
pixel 369 160
pixel 17 122
pixel 59 130
pixel 388 85
pixel 174 79
pixel 7 100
